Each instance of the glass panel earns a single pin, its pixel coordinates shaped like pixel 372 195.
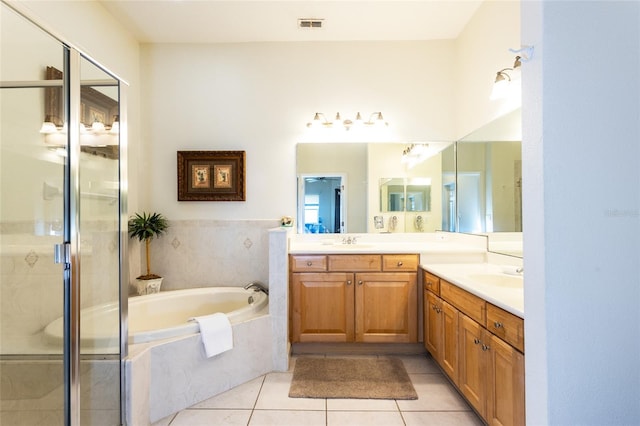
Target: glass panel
pixel 31 222
pixel 99 247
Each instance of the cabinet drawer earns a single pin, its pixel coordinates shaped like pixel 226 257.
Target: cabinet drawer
pixel 506 326
pixel 430 282
pixel 308 263
pixel 470 304
pixel 400 262
pixel 354 262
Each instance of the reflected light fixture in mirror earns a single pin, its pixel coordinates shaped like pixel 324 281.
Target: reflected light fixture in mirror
pixel 320 121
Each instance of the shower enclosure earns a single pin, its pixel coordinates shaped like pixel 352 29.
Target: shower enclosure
pixel 61 237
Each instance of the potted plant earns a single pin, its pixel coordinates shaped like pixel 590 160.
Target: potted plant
pixel 145 226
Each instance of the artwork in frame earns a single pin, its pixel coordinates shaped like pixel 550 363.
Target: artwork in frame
pixel 211 176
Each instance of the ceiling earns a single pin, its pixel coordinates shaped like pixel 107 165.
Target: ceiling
pixel 213 21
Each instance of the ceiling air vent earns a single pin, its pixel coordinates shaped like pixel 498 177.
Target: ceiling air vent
pixel 310 23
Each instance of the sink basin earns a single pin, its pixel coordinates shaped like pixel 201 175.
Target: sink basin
pixel 499 280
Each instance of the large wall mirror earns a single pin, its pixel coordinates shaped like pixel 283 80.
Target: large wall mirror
pixel 472 186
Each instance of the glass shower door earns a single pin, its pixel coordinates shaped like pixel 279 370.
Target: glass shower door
pixel 32 165
pixel 99 215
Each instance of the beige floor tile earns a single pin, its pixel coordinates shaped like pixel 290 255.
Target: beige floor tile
pixel 435 393
pixel 364 418
pixel 287 418
pixel 441 418
pixel 243 396
pixel 362 404
pixel 275 395
pixel 419 364
pixel 212 417
pixel 164 422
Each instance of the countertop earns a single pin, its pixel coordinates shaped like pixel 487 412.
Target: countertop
pixel 511 299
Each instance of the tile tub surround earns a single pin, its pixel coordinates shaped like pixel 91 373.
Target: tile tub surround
pixel 209 253
pixel 168 376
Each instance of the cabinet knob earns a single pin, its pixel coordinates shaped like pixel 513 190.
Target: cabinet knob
pixel 348 282
pixel 309 263
pixel 497 324
pixel 359 282
pixel 485 348
pixel 476 341
pixel 400 263
pixel 428 283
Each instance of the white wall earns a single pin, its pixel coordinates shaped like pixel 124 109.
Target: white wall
pixel 581 149
pixel 258 97
pixel 482 49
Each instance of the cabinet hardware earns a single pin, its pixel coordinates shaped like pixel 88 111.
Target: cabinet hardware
pixel 497 324
pixel 309 263
pixel 485 348
pixel 359 282
pixel 476 341
pixel 400 263
pixel 348 282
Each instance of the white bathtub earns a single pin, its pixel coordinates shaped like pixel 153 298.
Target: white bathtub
pixel 161 315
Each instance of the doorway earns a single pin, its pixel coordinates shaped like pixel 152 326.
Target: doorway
pixel 321 201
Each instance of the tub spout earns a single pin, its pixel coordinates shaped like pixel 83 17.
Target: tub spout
pixel 257 286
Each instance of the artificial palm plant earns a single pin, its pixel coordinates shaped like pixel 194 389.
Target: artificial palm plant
pixel 145 226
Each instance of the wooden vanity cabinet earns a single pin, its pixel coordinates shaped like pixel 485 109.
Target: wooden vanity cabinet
pixel 489 350
pixel 358 298
pixel 440 328
pixel 322 307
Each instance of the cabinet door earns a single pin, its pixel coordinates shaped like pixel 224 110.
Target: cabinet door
pixel 505 394
pixel 432 327
pixel 472 375
pixel 387 307
pixel 322 306
pixel 449 343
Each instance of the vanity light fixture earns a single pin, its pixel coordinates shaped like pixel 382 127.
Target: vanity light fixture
pixel 503 80
pixel 48 125
pixel 415 153
pixel 320 121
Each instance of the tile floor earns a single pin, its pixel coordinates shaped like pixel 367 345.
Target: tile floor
pixel 265 401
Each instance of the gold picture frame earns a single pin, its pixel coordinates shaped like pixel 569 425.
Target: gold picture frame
pixel 211 176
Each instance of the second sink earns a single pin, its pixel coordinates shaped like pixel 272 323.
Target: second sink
pixel 499 280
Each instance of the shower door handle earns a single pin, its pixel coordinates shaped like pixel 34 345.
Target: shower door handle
pixel 62 254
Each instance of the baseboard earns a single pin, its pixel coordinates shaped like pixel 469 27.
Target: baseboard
pixel 358 348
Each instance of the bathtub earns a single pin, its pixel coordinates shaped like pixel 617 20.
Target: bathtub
pixel 161 315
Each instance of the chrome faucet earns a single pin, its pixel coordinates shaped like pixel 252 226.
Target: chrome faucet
pixel 257 286
pixel 349 240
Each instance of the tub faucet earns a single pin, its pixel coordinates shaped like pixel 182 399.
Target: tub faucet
pixel 257 286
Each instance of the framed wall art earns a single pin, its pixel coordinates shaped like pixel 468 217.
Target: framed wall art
pixel 211 176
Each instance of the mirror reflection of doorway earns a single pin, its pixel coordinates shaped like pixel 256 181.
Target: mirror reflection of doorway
pixel 470 202
pixel 322 206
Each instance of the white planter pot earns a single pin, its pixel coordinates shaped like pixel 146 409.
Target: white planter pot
pixel 148 286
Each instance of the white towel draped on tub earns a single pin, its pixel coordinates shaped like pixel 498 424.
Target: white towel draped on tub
pixel 216 333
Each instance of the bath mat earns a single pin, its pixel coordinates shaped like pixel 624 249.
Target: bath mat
pixel 359 378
